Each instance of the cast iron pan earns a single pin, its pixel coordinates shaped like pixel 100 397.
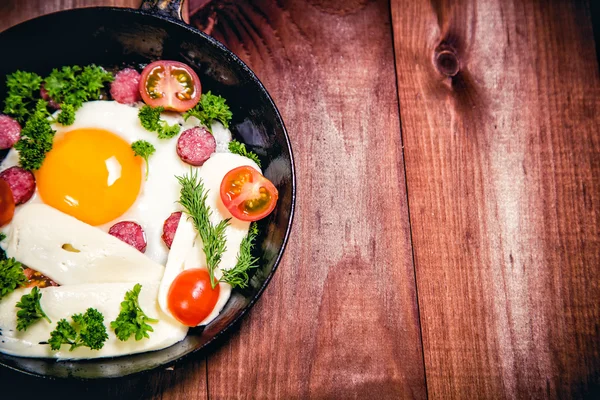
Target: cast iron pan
pixel 114 37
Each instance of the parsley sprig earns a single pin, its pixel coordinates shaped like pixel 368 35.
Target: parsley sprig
pixel 11 276
pixel 86 330
pixel 240 148
pixel 36 138
pixel 193 199
pixel 238 275
pixel 30 310
pixel 22 90
pixel 210 107
pixel 76 85
pixel 150 120
pixel 132 320
pixel 144 149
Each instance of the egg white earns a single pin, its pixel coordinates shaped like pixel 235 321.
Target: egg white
pixel 160 192
pixel 70 252
pixel 65 301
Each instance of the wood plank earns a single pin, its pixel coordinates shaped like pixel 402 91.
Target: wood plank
pixel 502 148
pixel 340 318
pixel 14 11
pixel 188 379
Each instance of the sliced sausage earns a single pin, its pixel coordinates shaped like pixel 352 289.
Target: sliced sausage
pixel 169 228
pixel 46 96
pixel 10 132
pixel 21 182
pixel 131 233
pixel 195 146
pixel 125 89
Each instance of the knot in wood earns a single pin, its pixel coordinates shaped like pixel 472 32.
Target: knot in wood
pixel 446 62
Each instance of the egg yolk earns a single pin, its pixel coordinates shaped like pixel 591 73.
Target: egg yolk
pixel 91 174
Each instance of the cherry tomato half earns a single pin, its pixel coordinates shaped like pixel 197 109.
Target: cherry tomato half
pixel 170 84
pixel 7 203
pixel 191 298
pixel 247 194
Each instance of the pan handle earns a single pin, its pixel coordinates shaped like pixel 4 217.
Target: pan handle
pixel 164 8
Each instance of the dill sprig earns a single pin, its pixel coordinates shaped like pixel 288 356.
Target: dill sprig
pixel 238 275
pixel 193 197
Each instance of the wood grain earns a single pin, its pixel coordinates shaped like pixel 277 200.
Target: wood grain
pixel 503 170
pixel 340 318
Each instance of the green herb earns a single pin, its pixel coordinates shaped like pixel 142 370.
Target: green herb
pixel 67 114
pixel 63 334
pixel 150 120
pixel 30 310
pixel 193 198
pixel 132 320
pixel 11 276
pixel 76 85
pixel 36 138
pixel 22 90
pixel 2 236
pixel 209 108
pixel 238 275
pixel 86 330
pixel 240 148
pixel 143 149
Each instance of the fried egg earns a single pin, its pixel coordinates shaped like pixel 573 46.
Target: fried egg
pixel 89 181
pixel 92 174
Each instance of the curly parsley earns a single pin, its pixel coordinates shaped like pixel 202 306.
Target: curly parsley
pixel 132 320
pixel 67 115
pixel 240 148
pixel 22 92
pixel 11 276
pixel 76 85
pixel 86 330
pixel 210 107
pixel 150 120
pixel 144 149
pixel 30 310
pixel 36 138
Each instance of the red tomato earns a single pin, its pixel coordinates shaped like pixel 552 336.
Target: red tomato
pixel 7 203
pixel 247 194
pixel 170 84
pixel 191 298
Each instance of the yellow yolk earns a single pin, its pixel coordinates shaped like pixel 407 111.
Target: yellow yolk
pixel 91 174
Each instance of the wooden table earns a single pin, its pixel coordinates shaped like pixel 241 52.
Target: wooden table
pixel 447 235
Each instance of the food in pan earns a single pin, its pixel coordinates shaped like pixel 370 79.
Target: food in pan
pixel 126 210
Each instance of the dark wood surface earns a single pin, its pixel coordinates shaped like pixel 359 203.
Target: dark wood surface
pixel 446 241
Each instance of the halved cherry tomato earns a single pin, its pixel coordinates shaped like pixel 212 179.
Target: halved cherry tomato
pixel 7 203
pixel 247 194
pixel 191 298
pixel 170 84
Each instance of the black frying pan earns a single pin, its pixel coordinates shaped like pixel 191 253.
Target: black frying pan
pixel 114 37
